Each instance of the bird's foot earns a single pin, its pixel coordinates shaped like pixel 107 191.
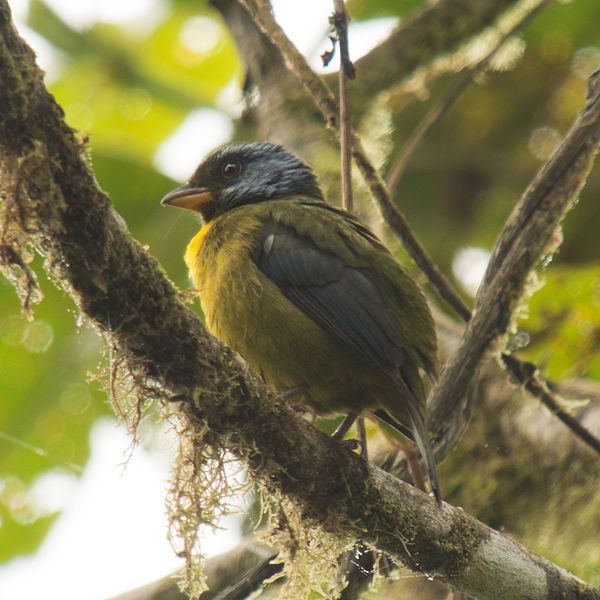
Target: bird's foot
pixel 351 444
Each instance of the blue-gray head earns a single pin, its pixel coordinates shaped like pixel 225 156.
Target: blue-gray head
pixel 241 174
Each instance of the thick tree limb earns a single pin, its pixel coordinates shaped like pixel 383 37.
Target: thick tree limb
pixel 513 427
pixel 530 230
pixel 119 287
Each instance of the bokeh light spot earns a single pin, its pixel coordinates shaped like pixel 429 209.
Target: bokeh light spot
pixel 555 47
pixel 80 115
pixel 12 330
pixel 200 35
pixel 135 104
pixel 38 337
pixel 543 141
pixel 76 399
pixel 13 496
pixel 469 267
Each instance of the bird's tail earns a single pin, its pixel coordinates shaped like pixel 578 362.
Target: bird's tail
pixel 422 440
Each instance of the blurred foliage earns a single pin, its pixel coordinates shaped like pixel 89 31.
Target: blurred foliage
pixel 129 89
pixel 467 176
pixel 365 9
pixel 563 323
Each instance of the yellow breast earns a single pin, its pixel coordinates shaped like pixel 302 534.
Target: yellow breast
pixel 193 258
pixel 218 259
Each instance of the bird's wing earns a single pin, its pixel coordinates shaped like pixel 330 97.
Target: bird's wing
pixel 331 283
pixel 340 297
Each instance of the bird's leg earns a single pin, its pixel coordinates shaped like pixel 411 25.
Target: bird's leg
pixel 362 436
pixel 344 426
pixel 408 448
pixel 414 466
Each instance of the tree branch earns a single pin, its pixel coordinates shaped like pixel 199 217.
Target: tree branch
pixel 346 72
pixel 124 292
pixel 535 385
pixel 545 202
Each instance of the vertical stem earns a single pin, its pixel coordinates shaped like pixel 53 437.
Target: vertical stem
pixel 362 436
pixel 413 465
pixel 340 21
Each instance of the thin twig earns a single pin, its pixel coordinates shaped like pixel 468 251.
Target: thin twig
pixel 260 12
pixel 527 373
pixel 436 112
pixel 339 20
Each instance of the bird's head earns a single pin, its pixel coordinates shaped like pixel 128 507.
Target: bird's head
pixel 241 174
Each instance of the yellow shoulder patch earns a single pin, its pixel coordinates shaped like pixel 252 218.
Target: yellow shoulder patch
pixel 195 244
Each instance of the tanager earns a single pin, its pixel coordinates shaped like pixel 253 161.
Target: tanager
pixel 306 293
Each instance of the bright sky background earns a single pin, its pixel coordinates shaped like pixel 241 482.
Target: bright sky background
pixel 111 535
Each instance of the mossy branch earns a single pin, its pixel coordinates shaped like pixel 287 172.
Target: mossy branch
pixel 125 293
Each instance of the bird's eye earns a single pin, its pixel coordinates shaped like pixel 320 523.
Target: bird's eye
pixel 231 169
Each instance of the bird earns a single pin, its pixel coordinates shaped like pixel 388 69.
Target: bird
pixel 306 293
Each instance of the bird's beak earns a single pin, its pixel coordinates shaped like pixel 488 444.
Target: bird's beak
pixel 188 197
